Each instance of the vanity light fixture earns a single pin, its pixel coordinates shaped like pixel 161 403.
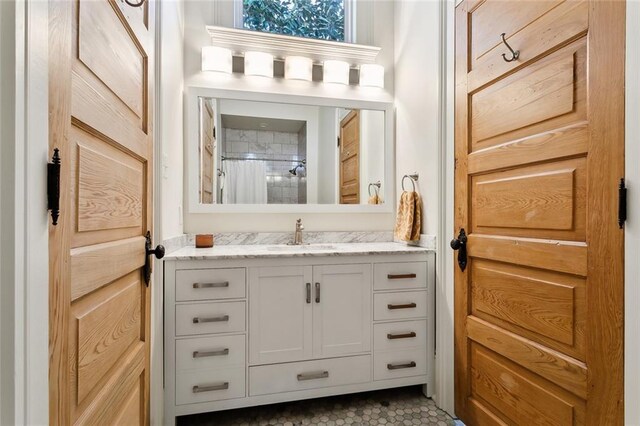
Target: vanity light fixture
pixel 258 63
pixel 218 59
pixel 335 72
pixel 372 75
pixel 298 68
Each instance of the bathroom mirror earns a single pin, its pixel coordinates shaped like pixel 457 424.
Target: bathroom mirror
pixel 287 154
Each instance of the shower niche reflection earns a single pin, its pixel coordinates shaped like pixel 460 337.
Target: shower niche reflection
pixel 266 153
pixel 263 160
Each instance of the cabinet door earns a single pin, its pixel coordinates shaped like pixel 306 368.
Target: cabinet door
pixel 280 314
pixel 342 312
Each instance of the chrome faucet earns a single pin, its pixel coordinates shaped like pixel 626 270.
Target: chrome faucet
pixel 297 237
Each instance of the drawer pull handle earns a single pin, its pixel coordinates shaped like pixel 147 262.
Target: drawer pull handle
pixel 400 276
pixel 209 388
pixel 313 376
pixel 308 292
pixel 221 318
pixel 412 364
pixel 401 336
pixel 211 285
pixel 317 292
pixel 405 306
pixel 198 354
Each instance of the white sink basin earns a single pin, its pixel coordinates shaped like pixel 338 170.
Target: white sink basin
pixel 302 247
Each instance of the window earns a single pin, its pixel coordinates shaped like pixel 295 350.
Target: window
pixel 320 19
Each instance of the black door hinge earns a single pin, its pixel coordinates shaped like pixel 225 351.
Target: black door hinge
pixel 53 186
pixel 338 141
pixel 622 204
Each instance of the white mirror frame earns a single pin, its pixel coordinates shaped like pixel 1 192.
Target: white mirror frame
pixel 192 164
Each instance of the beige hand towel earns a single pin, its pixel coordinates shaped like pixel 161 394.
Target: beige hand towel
pixel 409 219
pixel 375 199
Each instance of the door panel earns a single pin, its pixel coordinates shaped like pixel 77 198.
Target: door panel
pixel 538 317
pixel 100 94
pixel 342 315
pixel 541 201
pixel 540 25
pixel 546 307
pixel 521 397
pixel 280 314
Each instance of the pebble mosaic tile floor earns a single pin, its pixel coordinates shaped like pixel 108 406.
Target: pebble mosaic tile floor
pixel 401 406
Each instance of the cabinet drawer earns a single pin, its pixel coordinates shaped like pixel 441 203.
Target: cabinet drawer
pixel 403 363
pixel 267 379
pixel 210 385
pixel 394 276
pixel 401 305
pixel 206 284
pixel 203 353
pixel 206 318
pixel 400 335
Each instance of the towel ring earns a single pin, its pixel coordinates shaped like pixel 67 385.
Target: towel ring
pixel 413 178
pixel 376 188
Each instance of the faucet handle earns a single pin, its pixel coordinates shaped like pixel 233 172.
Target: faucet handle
pixel 299 225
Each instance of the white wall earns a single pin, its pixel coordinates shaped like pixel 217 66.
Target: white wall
pixel 171 123
pixel 417 79
pixel 327 155
pixel 371 152
pixel 6 289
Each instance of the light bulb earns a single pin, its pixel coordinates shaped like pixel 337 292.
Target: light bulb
pixel 298 68
pixel 258 63
pixel 335 72
pixel 217 59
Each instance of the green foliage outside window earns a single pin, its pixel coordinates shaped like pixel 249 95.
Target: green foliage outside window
pixel 322 19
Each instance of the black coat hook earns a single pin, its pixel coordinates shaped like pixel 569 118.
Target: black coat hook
pixel 514 53
pixel 132 4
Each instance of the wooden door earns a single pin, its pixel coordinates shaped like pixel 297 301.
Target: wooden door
pixel 280 314
pixel 342 312
pixel 539 154
pixel 101 108
pixel 207 149
pixel 350 158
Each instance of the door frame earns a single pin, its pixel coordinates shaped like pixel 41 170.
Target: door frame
pixel 445 305
pixel 25 267
pixel 632 228
pixel 24 301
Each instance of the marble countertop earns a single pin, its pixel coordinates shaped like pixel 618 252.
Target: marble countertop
pixel 222 252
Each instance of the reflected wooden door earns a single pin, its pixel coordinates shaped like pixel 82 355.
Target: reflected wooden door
pixel 539 154
pixel 207 148
pixel 101 96
pixel 350 158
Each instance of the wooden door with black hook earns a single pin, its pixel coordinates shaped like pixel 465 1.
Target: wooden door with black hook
pixel 101 94
pixel 539 149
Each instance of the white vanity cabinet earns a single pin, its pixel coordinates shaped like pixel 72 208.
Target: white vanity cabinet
pixel 307 312
pixel 251 331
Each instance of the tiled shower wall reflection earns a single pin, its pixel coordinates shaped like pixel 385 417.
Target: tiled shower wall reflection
pixel 282 186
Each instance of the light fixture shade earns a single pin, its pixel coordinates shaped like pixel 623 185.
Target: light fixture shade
pixel 258 63
pixel 217 59
pixel 335 72
pixel 298 68
pixel 372 75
